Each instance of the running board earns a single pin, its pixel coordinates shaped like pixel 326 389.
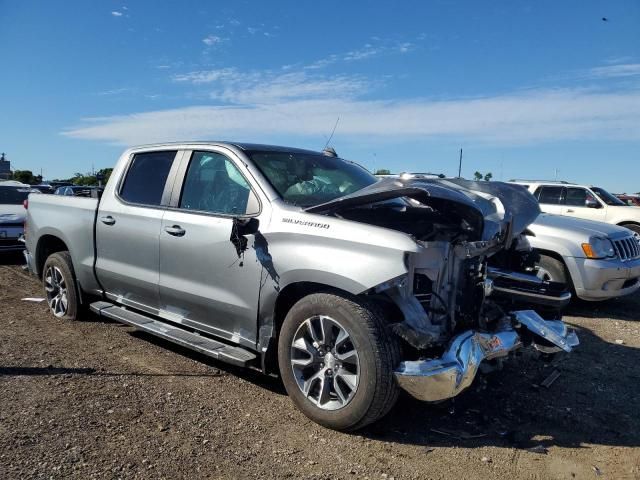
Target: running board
pixel 211 348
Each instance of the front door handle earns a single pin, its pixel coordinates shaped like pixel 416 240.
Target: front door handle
pixel 108 220
pixel 570 210
pixel 175 230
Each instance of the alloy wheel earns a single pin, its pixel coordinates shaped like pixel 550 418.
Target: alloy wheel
pixel 56 288
pixel 325 362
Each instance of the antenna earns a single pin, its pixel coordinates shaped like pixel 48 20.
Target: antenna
pixel 460 165
pixel 332 132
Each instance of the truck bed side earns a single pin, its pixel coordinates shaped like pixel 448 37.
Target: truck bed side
pixel 63 223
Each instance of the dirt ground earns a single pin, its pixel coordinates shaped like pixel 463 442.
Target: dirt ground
pixel 94 399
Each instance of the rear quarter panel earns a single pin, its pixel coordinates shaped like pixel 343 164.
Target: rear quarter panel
pixel 70 219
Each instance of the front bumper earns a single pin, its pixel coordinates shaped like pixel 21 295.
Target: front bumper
pixel 603 279
pixel 447 376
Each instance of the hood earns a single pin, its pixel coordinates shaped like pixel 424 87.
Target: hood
pixel 487 208
pixel 588 228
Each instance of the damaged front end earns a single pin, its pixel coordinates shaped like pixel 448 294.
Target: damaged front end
pixel 469 294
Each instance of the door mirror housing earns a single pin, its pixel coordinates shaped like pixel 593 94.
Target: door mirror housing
pixel 591 203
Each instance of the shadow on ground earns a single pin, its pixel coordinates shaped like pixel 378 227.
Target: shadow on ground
pixel 11 258
pixel 623 308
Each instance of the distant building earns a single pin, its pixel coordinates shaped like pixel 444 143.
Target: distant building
pixel 5 168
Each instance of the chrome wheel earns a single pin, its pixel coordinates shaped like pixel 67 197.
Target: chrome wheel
pixel 325 362
pixel 56 288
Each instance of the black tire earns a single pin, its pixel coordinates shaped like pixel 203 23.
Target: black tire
pixel 634 227
pixel 378 354
pixel 554 270
pixel 61 262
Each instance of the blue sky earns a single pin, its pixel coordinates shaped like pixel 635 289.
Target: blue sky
pixel 524 87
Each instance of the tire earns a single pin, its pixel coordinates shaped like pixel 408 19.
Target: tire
pixel 377 353
pixel 553 270
pixel 634 227
pixel 61 291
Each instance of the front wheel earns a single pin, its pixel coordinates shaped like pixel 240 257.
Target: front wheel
pixel 60 286
pixel 336 358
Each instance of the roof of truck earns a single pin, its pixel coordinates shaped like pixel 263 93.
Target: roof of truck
pixel 241 145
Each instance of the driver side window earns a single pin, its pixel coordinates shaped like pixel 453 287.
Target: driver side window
pixel 213 184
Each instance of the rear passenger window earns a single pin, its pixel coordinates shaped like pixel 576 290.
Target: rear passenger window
pixel 146 177
pixel 549 195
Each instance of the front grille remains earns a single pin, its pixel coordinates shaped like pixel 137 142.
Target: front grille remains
pixel 627 248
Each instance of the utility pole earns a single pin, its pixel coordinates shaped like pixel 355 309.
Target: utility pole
pixel 460 165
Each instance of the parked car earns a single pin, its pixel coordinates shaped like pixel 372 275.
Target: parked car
pixel 582 201
pixel 631 200
pixel 12 214
pixel 301 263
pixel 598 260
pixel 76 191
pixel 44 188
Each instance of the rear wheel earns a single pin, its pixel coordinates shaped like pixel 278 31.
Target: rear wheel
pixel 60 286
pixel 336 359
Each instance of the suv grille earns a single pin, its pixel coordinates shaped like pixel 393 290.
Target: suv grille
pixel 627 248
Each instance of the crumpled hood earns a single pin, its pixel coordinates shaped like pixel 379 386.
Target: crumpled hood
pixel 486 207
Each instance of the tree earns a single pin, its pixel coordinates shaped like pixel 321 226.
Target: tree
pixel 382 171
pixel 26 176
pixel 478 176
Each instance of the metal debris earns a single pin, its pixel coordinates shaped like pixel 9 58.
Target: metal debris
pixel 597 470
pixel 538 449
pixel 546 383
pixel 620 342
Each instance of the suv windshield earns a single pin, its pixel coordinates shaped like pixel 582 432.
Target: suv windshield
pixel 13 195
pixel 607 198
pixel 305 179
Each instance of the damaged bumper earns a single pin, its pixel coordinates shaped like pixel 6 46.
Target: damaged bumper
pixel 447 376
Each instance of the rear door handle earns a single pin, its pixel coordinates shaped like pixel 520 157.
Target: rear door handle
pixel 570 210
pixel 175 230
pixel 108 220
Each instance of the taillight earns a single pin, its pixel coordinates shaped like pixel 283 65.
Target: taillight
pixel 25 203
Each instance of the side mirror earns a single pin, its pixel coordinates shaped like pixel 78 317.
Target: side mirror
pixel 590 203
pixel 246 226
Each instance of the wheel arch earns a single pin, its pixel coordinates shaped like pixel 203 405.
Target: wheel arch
pixel 47 245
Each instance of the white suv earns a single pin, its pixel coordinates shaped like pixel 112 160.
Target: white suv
pixel 581 201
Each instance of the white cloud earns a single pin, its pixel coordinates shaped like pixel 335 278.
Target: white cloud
pixel 232 86
pixel 519 118
pixel 615 71
pixel 211 40
pixel 116 13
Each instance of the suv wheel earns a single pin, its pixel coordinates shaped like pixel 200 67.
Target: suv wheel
pixel 336 359
pixel 60 286
pixel 551 269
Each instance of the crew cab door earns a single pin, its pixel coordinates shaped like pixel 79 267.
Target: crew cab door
pixel 581 203
pixel 204 282
pixel 128 230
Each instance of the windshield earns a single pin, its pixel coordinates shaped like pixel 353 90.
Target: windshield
pixel 13 195
pixel 607 198
pixel 310 179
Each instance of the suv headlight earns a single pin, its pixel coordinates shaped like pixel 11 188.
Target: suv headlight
pixel 599 247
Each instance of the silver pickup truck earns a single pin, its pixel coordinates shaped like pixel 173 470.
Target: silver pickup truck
pixel 303 264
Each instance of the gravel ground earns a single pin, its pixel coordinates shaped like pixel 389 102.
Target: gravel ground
pixel 94 399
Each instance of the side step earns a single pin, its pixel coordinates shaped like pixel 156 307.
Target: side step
pixel 218 350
